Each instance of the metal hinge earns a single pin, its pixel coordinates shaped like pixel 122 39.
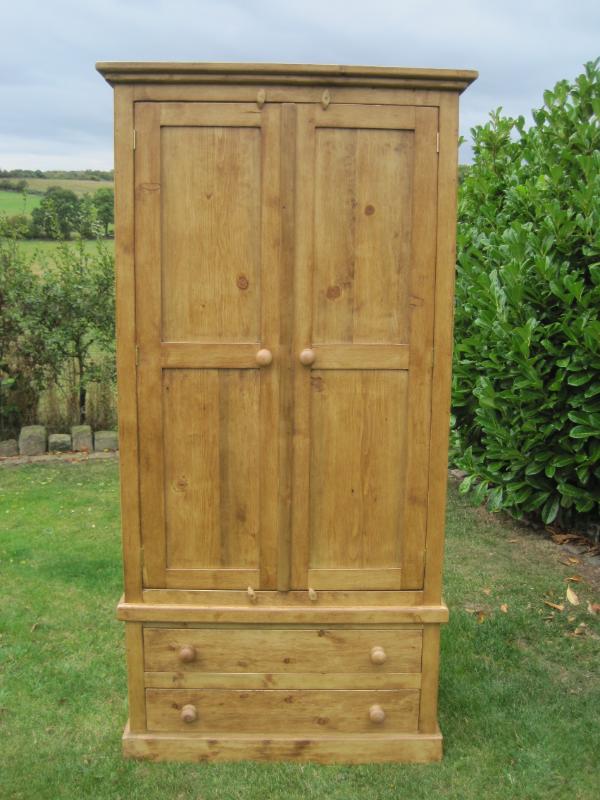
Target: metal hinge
pixel 437 142
pixel 133 143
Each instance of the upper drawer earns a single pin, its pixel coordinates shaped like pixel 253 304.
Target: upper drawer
pixel 282 650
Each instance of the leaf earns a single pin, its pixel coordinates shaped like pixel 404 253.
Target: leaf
pixel 480 617
pixel 504 608
pixel 550 509
pixel 557 606
pixel 487 592
pixel 593 608
pixel 574 578
pixel 572 597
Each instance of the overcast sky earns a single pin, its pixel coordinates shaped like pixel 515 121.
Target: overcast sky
pixel 57 111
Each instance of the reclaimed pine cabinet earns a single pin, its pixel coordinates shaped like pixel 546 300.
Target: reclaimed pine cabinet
pixel 285 264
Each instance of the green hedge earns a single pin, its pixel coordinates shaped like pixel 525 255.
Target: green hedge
pixel 526 390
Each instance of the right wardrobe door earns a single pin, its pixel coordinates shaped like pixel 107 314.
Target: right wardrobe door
pixel 366 197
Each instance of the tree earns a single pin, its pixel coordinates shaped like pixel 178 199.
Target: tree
pixel 104 200
pixel 526 392
pixel 57 216
pixel 26 359
pixel 76 311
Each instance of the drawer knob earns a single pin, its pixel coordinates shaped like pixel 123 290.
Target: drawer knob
pixel 264 357
pixel 187 654
pixel 307 357
pixel 189 714
pixel 376 714
pixel 378 655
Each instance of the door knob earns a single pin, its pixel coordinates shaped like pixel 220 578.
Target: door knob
pixel 187 654
pixel 376 714
pixel 189 713
pixel 307 357
pixel 264 357
pixel 378 655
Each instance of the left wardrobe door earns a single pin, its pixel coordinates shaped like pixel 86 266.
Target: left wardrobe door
pixel 207 261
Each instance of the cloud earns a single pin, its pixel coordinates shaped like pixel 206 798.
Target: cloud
pixel 57 111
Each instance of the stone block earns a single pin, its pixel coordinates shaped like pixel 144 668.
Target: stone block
pixel 9 447
pixel 106 440
pixel 59 443
pixel 81 436
pixel 32 440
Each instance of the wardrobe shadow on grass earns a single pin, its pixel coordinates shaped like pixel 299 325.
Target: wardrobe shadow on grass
pixel 518 698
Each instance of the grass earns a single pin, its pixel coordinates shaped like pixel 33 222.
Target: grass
pixel 12 203
pixel 519 692
pixel 43 248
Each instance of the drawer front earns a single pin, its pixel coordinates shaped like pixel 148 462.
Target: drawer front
pixel 277 711
pixel 283 650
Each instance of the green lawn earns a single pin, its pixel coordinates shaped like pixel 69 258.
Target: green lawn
pixel 519 701
pixel 12 203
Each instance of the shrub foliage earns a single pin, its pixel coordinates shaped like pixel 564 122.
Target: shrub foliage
pixel 526 392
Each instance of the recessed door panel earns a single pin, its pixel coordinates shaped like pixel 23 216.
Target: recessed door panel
pixel 363 184
pixel 211 243
pixel 358 425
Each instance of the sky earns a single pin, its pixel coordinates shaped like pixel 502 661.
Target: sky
pixel 56 110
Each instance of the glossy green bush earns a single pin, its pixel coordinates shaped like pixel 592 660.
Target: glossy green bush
pixel 526 387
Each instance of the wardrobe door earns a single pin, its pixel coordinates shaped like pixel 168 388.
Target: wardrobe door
pixel 207 278
pixel 364 291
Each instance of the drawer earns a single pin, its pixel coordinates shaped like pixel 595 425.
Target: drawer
pixel 284 650
pixel 277 711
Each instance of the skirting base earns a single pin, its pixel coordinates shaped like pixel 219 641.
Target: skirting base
pixel 347 749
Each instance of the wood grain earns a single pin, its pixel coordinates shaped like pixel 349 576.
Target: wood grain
pixel 125 280
pixel 283 680
pixel 313 613
pixel 134 647
pixel 281 650
pixel 346 749
pixel 278 711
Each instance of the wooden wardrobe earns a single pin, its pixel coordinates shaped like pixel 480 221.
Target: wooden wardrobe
pixel 285 267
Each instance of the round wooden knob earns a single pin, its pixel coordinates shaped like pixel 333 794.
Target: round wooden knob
pixel 187 653
pixel 189 714
pixel 378 655
pixel 264 357
pixel 307 357
pixel 376 714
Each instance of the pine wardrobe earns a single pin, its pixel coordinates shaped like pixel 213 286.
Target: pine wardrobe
pixel 285 264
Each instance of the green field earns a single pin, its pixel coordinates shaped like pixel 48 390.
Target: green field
pixel 38 249
pixel 519 693
pixel 12 203
pixel 80 187
pixel 24 202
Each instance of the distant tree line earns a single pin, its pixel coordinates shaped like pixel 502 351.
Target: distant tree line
pixel 62 174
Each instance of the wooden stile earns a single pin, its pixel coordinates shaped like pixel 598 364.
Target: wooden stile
pixel 285 261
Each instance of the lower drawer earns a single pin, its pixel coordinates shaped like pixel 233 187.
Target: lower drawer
pixel 282 711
